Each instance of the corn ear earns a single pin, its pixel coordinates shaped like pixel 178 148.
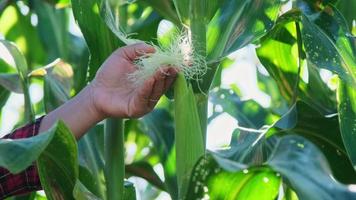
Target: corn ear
pixel 188 134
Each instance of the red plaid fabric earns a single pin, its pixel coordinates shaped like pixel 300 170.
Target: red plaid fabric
pixel 26 181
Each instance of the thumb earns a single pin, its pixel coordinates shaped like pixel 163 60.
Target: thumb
pixel 131 52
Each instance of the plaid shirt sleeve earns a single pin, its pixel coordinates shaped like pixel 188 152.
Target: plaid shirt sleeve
pixel 26 181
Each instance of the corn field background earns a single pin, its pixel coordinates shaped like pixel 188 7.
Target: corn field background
pixel 273 118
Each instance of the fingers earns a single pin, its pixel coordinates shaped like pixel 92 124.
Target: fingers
pixel 158 88
pixel 172 75
pixel 164 79
pixel 131 52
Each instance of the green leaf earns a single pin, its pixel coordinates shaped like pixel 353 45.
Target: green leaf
pixel 144 19
pixel 18 58
pixel 22 68
pixel 306 170
pixel 249 113
pixel 91 155
pixel 82 193
pixel 11 82
pixel 57 86
pixel 31 196
pixel 211 179
pixel 164 8
pixel 100 40
pixel 347 118
pixel 89 180
pixel 325 133
pixel 183 8
pixel 60 3
pixel 53 25
pixel 239 22
pixel 279 55
pixel 145 170
pixel 129 191
pixel 115 17
pixel 17 155
pixel 17 28
pixel 186 11
pixel 329 43
pixel 236 24
pixel 79 59
pixel 5 68
pixel 159 126
pixel 189 138
pixel 346 8
pixel 4 95
pixel 58 164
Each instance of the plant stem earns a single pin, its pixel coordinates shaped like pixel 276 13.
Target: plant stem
pixel 114 139
pixel 114 159
pixel 29 111
pixel 199 29
pixel 202 105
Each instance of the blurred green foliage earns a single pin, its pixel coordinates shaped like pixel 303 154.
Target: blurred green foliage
pixel 300 146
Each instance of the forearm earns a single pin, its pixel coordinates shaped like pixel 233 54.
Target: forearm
pixel 78 114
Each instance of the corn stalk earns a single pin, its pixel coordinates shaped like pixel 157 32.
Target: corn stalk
pixel 198 31
pixel 114 137
pixel 114 158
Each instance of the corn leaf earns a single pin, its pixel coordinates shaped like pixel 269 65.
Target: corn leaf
pixel 82 193
pixel 57 85
pixel 347 118
pixel 217 178
pixel 22 69
pixel 292 156
pixel 11 82
pixel 183 8
pixel 302 119
pixel 164 8
pixel 58 164
pixel 325 133
pixel 238 23
pixel 95 31
pixel 17 28
pixel 330 48
pixel 159 126
pixel 91 159
pixel 186 10
pixel 4 93
pixel 189 138
pixel 88 179
pixel 283 65
pixel 129 191
pixel 53 26
pixel 17 155
pixel 248 113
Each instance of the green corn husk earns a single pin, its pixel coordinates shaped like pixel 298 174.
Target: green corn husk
pixel 189 138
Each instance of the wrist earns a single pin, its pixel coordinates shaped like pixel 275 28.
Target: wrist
pixel 87 96
pixel 79 114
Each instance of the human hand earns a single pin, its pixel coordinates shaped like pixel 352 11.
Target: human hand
pixel 113 95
